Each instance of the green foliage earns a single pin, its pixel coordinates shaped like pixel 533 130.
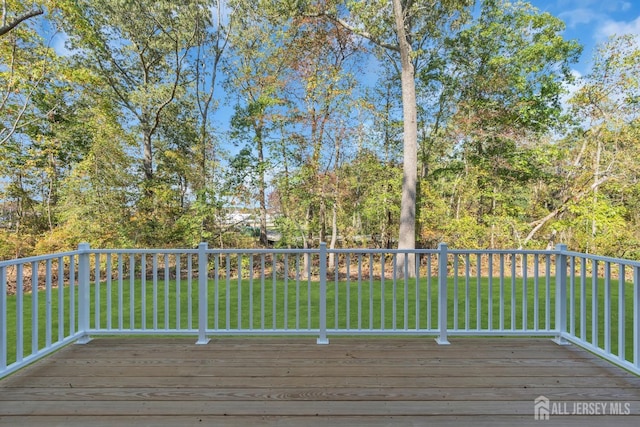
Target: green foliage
pixel 116 142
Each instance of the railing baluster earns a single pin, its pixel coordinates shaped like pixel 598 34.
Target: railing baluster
pixel 132 291
pixel 154 294
pixel 572 298
pixel 536 291
pixel 251 272
pixel 262 291
pixel 216 290
pixel 594 304
pixel 621 312
pixel 120 292
pixel 61 306
pixel 189 291
pixel 297 291
pixel 309 293
pixel 370 291
pixel 227 293
pixel 34 307
pixel 490 293
pixel 3 319
pixel 525 294
pixel 382 291
pixel 48 304
pixel 548 292
pixel 467 295
pixel 19 312
pixel 322 338
pixel 429 297
pixel 502 299
pixel 286 291
pixel 109 279
pixel 143 292
pixel 336 294
pixel 478 291
pixel 239 290
pixel 178 292
pixel 274 296
pixel 636 316
pixel 167 304
pixel 514 303
pixel 583 299
pixel 359 291
pixel 455 291
pixel 96 273
pixel 406 290
pixel 395 289
pixel 607 307
pixel 348 288
pixel 417 289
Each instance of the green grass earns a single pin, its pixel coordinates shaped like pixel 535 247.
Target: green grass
pixel 279 304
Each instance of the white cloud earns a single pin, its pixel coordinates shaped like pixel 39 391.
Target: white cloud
pixel 610 27
pixel 59 44
pixel 580 16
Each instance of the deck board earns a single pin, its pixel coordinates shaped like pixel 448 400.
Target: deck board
pixel 292 381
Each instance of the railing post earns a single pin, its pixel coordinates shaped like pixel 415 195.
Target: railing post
pixel 636 316
pixel 84 301
pixel 443 275
pixel 203 292
pixel 561 294
pixel 3 319
pixel 322 339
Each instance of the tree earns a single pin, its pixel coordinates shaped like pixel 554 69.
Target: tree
pixel 142 51
pixel 11 22
pixel 255 69
pixel 403 30
pixel 604 150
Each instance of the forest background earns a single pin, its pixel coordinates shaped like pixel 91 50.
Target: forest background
pixel 164 124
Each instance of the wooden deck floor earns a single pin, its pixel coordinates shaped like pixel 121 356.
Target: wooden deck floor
pixel 294 382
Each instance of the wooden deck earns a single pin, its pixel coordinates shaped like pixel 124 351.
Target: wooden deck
pixel 294 382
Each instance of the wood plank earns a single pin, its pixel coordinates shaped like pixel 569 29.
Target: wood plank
pixel 314 371
pixel 273 408
pixel 319 421
pixel 329 380
pixel 320 394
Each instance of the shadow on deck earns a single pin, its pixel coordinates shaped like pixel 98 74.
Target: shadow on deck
pixel 294 382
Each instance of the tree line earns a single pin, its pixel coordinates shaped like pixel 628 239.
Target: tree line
pixel 380 123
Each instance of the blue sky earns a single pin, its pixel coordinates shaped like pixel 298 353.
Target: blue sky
pixel 593 21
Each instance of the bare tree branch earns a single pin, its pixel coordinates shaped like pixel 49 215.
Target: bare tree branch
pixel 362 33
pixel 20 18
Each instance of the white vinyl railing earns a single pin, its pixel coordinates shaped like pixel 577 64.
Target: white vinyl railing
pixel 583 299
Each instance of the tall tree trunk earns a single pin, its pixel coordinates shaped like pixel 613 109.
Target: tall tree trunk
pixel 407 233
pixel 263 187
pixel 147 156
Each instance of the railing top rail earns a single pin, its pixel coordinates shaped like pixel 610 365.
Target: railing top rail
pixel 502 251
pixel 38 258
pixel 144 251
pixel 382 251
pixel 611 260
